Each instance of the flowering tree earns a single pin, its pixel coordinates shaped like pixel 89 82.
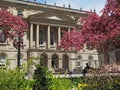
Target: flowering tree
pixel 11 26
pixel 72 39
pixel 98 32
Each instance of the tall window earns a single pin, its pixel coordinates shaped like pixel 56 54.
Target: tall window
pixel 51 38
pixel 79 57
pixel 61 34
pixel 2 36
pixel 79 60
pixel 2 60
pixel 55 61
pixel 41 38
pixel 78 64
pixel 112 57
pixel 20 13
pixel 90 58
pixel 90 63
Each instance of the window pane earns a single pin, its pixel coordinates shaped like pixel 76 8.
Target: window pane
pixel 2 60
pixel 2 36
pixel 79 57
pixel 78 63
pixel 20 13
pixel 51 38
pixel 41 38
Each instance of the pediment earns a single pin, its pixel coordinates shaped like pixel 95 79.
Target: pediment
pixel 53 16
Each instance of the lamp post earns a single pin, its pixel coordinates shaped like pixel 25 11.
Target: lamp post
pixel 19 54
pixel 17 45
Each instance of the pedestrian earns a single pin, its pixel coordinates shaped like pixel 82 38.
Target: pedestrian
pixel 84 71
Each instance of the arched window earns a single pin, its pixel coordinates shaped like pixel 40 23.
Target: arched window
pixel 44 60
pixel 90 57
pixel 41 38
pixel 65 62
pixel 2 60
pixel 55 61
pixel 79 60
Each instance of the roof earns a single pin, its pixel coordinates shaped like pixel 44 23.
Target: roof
pixel 36 4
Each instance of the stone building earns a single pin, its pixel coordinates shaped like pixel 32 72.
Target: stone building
pixel 46 26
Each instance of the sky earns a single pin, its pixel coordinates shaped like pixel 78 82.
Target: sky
pixel 77 4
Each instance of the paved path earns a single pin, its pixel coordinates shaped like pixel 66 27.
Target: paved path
pixel 68 75
pixel 81 75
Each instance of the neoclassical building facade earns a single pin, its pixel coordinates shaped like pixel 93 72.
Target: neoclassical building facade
pixel 41 43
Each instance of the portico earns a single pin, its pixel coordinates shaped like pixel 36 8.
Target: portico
pixel 45 39
pixel 46 36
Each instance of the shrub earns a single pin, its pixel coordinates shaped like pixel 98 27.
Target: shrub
pixel 61 84
pixel 14 80
pixel 104 78
pixel 42 78
pixel 45 80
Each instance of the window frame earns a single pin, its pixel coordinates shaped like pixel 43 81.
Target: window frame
pixel 2 36
pixel 2 61
pixel 20 13
pixel 51 38
pixel 41 37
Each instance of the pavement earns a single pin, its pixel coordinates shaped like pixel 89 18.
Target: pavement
pixel 68 75
pixel 87 75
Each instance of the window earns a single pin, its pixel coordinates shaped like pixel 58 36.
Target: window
pixel 2 60
pixel 78 64
pixel 79 57
pixel 20 13
pixel 61 34
pixel 51 38
pixel 89 63
pixel 90 57
pixel 53 63
pixel 112 57
pixel 41 38
pixel 2 36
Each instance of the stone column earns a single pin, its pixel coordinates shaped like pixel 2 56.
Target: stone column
pixel 49 64
pixel 68 29
pixel 48 37
pixel 31 35
pixel 59 36
pixel 60 63
pixel 70 65
pixel 37 36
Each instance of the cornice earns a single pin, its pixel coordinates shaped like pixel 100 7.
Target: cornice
pixel 43 7
pixel 58 51
pixel 51 22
